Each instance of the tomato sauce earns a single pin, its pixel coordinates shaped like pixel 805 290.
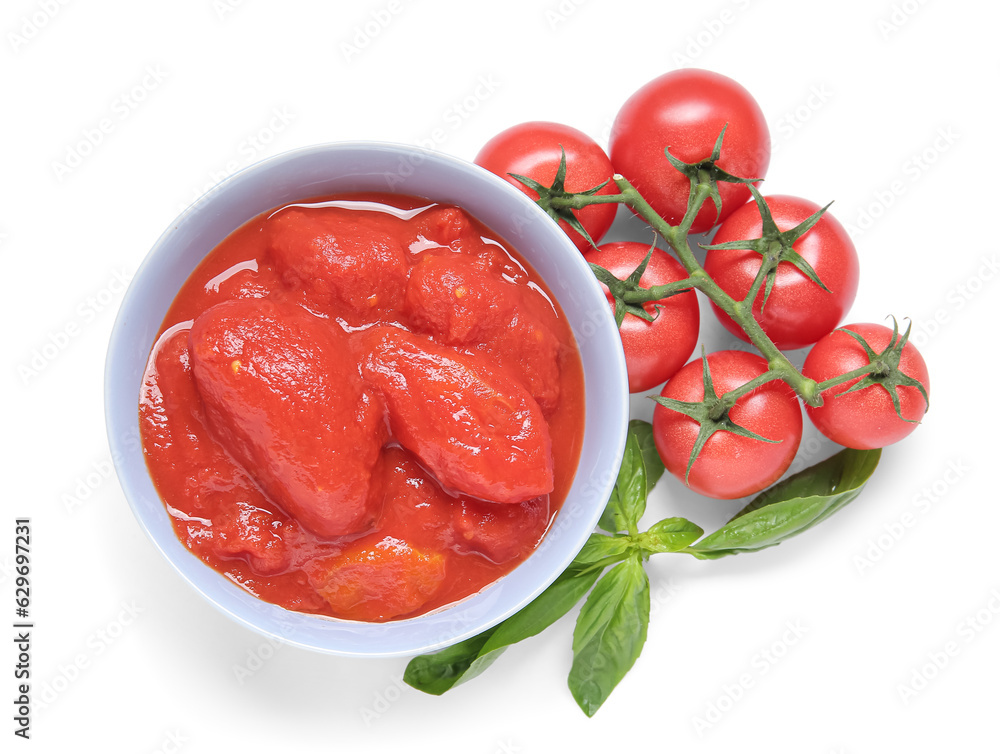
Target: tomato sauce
pixel 364 406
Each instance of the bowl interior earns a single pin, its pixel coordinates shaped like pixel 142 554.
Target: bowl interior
pixel 339 168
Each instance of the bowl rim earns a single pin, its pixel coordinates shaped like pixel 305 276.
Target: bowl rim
pixel 437 629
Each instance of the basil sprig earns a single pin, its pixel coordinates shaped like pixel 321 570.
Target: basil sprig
pixel 613 622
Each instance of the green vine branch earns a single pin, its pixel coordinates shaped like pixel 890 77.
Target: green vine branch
pixel 775 247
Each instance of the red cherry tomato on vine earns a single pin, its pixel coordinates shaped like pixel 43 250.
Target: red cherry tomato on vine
pixel 686 110
pixel 798 312
pixel 533 150
pixel 654 351
pixel 864 419
pixel 730 466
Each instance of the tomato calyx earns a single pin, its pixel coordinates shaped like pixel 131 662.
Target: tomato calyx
pixel 630 297
pixel 549 196
pixel 775 246
pixel 618 288
pixel 712 412
pixel 707 173
pixel 882 370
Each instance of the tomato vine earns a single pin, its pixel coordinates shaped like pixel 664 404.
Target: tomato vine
pixel 850 371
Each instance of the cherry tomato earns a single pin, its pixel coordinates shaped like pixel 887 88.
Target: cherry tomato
pixel 654 351
pixel 866 418
pixel 533 150
pixel 798 312
pixel 686 110
pixel 729 466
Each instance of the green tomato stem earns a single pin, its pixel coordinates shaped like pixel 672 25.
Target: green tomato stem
pixel 728 400
pixel 657 292
pixel 847 377
pixel 579 201
pixel 677 236
pixel 758 283
pixel 741 312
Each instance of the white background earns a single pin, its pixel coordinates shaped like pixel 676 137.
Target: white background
pixel 888 107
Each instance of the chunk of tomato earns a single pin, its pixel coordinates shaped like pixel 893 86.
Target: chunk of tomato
pixel 416 508
pixel 377 582
pixel 477 430
pixel 287 405
pixel 500 532
pixel 347 265
pixel 253 534
pixel 458 299
pixel 464 302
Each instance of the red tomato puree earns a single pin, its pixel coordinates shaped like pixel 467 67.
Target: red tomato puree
pixel 364 406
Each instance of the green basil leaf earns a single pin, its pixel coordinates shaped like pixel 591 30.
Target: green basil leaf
pixel 669 535
pixel 438 672
pixel 610 632
pixel 792 506
pixel 546 609
pixel 643 432
pixel 640 470
pixel 628 498
pixel 631 486
pixel 607 521
pixel 441 671
pixel 602 549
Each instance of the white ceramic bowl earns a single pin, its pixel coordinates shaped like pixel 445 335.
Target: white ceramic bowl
pixel 369 166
